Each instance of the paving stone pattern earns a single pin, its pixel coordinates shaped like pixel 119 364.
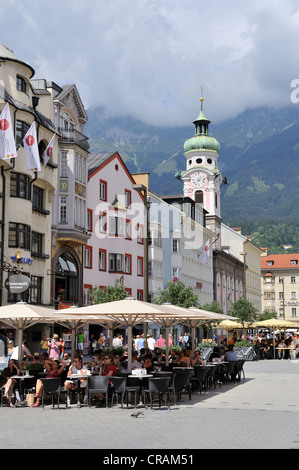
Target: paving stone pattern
pixel 261 412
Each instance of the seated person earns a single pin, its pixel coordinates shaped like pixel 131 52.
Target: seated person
pixel 230 355
pixel 196 360
pixel 73 385
pixel 281 351
pixel 173 355
pixel 135 361
pixel 148 365
pixel 36 365
pixel 7 382
pixel 183 360
pixel 108 366
pixel 54 369
pixel 216 354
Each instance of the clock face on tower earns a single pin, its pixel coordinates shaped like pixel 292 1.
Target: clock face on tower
pixel 198 179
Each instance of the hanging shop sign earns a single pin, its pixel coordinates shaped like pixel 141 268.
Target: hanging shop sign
pixel 17 283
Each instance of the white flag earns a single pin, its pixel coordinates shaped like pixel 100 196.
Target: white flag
pixel 7 140
pixel 31 149
pixel 49 150
pixel 206 252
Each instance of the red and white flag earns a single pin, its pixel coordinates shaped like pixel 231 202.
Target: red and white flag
pixel 7 141
pixel 206 252
pixel 31 149
pixel 49 151
pixel 176 276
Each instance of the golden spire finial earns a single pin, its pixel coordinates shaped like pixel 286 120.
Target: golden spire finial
pixel 201 98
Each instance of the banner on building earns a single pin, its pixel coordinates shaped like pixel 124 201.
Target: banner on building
pixel 31 149
pixel 49 151
pixel 206 253
pixel 7 141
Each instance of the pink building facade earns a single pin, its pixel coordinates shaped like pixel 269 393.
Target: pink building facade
pixel 116 215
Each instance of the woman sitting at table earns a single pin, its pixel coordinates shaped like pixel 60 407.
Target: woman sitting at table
pixel 148 365
pixel 108 366
pixel 183 360
pixel 53 371
pixel 196 360
pixel 7 382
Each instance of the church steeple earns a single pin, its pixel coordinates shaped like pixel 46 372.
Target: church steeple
pixel 201 139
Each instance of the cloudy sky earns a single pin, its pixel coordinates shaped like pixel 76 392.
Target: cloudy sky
pixel 150 58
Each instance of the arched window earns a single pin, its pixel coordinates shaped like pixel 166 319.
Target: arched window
pixel 66 280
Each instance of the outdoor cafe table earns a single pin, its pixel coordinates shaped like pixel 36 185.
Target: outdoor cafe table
pixel 140 377
pixel 77 378
pixel 21 379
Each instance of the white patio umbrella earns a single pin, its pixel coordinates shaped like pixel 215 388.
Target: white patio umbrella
pixel 274 324
pixel 131 312
pixel 21 316
pixel 73 322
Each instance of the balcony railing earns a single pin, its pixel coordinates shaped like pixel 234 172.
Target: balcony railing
pixel 73 136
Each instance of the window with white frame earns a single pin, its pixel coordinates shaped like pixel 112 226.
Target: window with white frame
pixel 294 312
pixel 63 164
pixel 63 209
pixel 102 222
pixel 176 245
pixel 293 279
pixel 88 257
pixel 293 295
pixel 102 260
pixel 116 262
pixel 116 226
pixel 139 266
pixel 87 295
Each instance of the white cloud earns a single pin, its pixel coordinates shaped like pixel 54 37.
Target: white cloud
pixel 149 58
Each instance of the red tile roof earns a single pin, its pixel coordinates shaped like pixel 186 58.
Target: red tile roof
pixel 280 261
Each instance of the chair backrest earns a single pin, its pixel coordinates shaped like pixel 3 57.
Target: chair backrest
pixel 201 372
pixel 182 378
pixel 133 382
pixel 231 365
pixel 98 381
pixel 119 384
pixel 158 384
pixel 51 385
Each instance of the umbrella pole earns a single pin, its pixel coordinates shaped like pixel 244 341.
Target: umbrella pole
pixel 167 346
pixel 73 340
pixel 193 339
pixel 110 338
pixel 20 344
pixel 130 343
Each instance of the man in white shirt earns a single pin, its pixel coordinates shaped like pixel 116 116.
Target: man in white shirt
pixel 151 342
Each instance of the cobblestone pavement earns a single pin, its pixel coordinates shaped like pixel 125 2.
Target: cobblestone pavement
pixel 261 412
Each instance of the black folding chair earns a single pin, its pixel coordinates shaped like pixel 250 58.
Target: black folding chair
pixel 119 387
pixel 98 384
pixel 158 386
pixel 52 387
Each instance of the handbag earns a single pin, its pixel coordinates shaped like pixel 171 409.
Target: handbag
pixel 30 399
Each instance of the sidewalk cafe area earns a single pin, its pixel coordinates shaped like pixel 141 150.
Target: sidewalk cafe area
pixel 151 373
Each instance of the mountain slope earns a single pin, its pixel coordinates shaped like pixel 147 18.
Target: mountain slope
pixel 259 155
